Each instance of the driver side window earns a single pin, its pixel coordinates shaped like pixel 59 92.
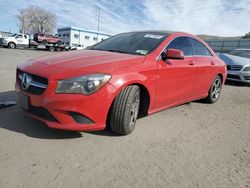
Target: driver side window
pixel 181 43
pixel 19 36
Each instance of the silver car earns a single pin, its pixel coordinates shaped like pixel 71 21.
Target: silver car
pixel 238 65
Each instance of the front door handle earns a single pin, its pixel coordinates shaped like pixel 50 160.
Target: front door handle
pixel 212 63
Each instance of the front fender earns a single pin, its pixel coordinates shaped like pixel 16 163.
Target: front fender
pixel 147 81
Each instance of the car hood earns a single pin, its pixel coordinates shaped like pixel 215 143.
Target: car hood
pixel 234 60
pixel 76 63
pixel 8 38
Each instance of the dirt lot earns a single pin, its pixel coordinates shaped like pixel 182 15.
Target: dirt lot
pixel 193 145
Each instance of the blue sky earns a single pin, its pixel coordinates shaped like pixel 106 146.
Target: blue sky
pixel 215 17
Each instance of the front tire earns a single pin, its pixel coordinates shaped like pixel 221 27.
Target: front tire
pixel 12 45
pixel 215 90
pixel 125 110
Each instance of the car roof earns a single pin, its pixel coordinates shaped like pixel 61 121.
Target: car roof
pixel 154 31
pixel 166 32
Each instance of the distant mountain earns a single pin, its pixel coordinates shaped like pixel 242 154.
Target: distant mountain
pixel 211 37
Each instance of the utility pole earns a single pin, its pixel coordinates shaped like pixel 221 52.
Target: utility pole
pixel 98 23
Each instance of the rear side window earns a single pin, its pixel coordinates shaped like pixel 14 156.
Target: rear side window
pixel 181 43
pixel 199 49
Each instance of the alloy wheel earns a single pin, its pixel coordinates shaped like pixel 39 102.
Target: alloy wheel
pixel 134 110
pixel 216 89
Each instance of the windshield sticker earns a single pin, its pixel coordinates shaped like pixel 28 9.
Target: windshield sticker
pixel 153 36
pixel 144 52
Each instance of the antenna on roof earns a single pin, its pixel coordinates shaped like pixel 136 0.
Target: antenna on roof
pixel 98 22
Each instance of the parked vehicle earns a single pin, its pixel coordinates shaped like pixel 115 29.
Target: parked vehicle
pixel 46 38
pixel 127 76
pixel 77 47
pixel 16 39
pixel 238 65
pixel 23 40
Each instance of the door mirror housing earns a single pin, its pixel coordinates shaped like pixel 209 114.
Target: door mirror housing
pixel 172 54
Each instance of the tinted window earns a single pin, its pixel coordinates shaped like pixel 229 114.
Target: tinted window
pixel 140 43
pixel 199 48
pixel 181 43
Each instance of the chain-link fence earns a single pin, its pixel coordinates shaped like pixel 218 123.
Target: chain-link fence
pixel 228 45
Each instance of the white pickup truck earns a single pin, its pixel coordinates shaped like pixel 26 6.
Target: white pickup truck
pixel 15 40
pixel 23 40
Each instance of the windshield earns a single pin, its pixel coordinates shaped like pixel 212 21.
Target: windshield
pixel 140 43
pixel 13 35
pixel 241 53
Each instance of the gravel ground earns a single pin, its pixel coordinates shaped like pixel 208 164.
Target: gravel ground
pixel 193 145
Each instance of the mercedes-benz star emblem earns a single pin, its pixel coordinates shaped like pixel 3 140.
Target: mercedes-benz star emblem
pixel 26 80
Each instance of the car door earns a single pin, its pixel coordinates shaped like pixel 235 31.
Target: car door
pixel 205 68
pixel 19 39
pixel 175 78
pixel 25 40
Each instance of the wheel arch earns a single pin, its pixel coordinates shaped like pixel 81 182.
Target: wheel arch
pixel 11 42
pixel 221 77
pixel 145 99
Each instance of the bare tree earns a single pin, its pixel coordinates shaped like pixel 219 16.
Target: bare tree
pixel 23 21
pixel 246 36
pixel 36 19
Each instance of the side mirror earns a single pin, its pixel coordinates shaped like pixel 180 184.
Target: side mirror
pixel 172 54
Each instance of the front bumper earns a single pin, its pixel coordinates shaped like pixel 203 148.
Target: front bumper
pixel 70 111
pixel 5 43
pixel 240 76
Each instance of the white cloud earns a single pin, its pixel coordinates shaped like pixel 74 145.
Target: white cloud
pixel 215 17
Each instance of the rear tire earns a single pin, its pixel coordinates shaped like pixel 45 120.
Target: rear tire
pixel 12 45
pixel 59 42
pixel 51 49
pixel 215 90
pixel 124 110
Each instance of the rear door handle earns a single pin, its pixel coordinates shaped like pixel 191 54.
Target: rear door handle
pixel 212 63
pixel 190 63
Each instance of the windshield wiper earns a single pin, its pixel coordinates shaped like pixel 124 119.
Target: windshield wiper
pixel 118 51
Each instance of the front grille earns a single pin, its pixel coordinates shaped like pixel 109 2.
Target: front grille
pixel 247 77
pixel 233 76
pixel 42 113
pixel 35 90
pixel 234 67
pixel 37 86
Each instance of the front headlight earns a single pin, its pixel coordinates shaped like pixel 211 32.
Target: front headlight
pixel 82 85
pixel 247 68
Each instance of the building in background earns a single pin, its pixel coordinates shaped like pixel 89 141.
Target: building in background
pixel 74 36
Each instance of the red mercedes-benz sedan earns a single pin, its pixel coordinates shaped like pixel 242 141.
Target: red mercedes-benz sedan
pixel 114 82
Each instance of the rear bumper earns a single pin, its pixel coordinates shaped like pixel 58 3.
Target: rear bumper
pixel 240 76
pixel 71 111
